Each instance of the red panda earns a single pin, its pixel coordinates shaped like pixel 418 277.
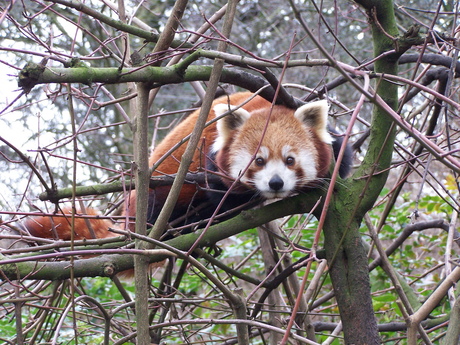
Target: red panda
pixel 259 150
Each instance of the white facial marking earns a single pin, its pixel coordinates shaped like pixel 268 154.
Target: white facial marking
pixel 240 162
pixel 308 165
pixel 286 151
pixel 264 152
pixel 272 168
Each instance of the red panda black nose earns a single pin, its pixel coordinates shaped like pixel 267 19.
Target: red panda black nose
pixel 276 183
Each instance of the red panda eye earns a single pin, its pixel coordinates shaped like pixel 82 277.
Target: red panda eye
pixel 290 161
pixel 260 161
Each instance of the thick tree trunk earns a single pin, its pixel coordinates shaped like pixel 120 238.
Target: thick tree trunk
pixel 352 199
pixel 348 267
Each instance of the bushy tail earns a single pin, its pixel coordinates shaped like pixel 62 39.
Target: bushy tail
pixel 60 226
pixel 87 226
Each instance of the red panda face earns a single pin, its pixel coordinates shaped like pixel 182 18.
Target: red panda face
pixel 275 174
pixel 274 151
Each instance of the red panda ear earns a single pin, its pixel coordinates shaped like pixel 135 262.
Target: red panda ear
pixel 314 115
pixel 232 121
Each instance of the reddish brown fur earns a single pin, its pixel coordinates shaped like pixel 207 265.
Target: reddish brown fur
pixel 49 227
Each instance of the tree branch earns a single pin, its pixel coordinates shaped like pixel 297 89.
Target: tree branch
pixel 13 267
pixel 148 36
